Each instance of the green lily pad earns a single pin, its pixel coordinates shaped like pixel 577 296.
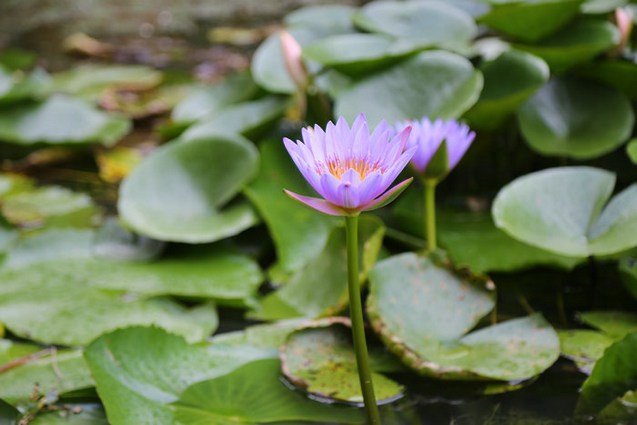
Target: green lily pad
pixel 330 17
pixel 584 346
pixel 91 80
pixel 267 335
pixel 114 242
pixel 613 375
pixel 601 6
pixel 12 184
pixel 472 240
pixel 321 360
pixel 178 193
pixel 562 210
pixel 615 324
pixel 619 74
pixel 576 119
pixel 576 43
pixel 53 372
pixel 243 118
pixel 49 245
pixel 431 23
pixel 299 233
pixel 136 385
pixel 357 54
pixel 628 272
pixel 206 101
pixel 423 311
pixel 15 59
pixel 433 83
pixel 252 394
pixel 8 413
pixel 60 120
pixel 509 80
pixel 70 312
pixel 529 21
pixel 320 287
pixel 50 206
pixel 16 86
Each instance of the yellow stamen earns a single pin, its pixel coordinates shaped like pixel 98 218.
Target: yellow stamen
pixel 337 167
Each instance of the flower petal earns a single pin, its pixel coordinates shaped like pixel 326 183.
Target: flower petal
pixel 318 204
pixel 388 196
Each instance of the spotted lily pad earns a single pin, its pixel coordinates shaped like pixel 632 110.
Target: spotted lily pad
pixel 136 386
pixel 432 23
pixel 423 313
pixel 570 213
pixel 181 192
pixel 320 359
pixel 263 399
pixel 433 83
pixel 577 119
pixel 60 120
pixel 320 287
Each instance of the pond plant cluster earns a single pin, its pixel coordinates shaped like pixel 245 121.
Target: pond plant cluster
pixel 208 296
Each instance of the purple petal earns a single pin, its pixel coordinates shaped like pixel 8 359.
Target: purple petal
pixel 371 187
pixel 388 196
pixel 317 204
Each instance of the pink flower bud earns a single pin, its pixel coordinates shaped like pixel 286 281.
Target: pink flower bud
pixel 293 61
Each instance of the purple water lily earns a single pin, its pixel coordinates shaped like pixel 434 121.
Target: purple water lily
pixel 427 136
pixel 349 167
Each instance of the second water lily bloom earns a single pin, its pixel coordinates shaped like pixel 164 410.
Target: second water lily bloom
pixel 446 140
pixel 351 168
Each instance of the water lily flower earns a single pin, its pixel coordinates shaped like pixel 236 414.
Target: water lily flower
pixel 349 167
pixel 293 60
pixel 428 137
pixel 624 20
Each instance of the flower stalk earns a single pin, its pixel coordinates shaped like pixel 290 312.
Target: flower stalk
pixel 430 214
pixel 358 326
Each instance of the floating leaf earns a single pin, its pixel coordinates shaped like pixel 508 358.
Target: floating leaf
pixel 268 335
pixel 91 80
pixel 60 120
pixel 177 194
pixel 252 394
pixel 422 312
pixel 12 184
pixel 50 206
pixel 243 118
pixel 577 43
pixel 628 271
pixel 621 75
pixel 584 346
pixel 562 210
pixel 16 86
pixel 50 372
pixel 631 150
pixel 601 6
pixel 615 324
pixel 299 233
pixel 206 101
pixel 576 119
pixel 332 18
pixel 52 303
pixel 75 414
pixel 321 360
pixel 8 414
pixel 509 80
pixel 320 287
pixel 529 21
pixel 433 83
pixel 114 242
pixel 431 23
pixel 613 375
pixel 49 245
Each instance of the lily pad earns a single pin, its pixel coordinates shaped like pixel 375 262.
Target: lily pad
pixel 50 206
pixel 584 346
pixel 613 375
pixel 321 360
pixel 430 23
pixel 70 312
pixel 529 21
pixel 433 83
pixel 266 335
pixel 601 6
pixel 330 17
pixel 320 287
pixel 12 184
pixel 243 118
pixel 565 210
pixel 509 80
pixel 252 394
pixel 91 80
pixel 299 233
pixel 136 385
pixel 628 271
pixel 114 242
pixel 8 414
pixel 208 100
pixel 48 372
pixel 423 311
pixel 577 43
pixel 73 414
pixel 631 150
pixel 615 324
pixel 180 191
pixel 60 120
pixel 16 86
pixel 576 119
pixel 619 74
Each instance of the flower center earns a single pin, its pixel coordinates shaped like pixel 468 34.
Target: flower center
pixel 337 167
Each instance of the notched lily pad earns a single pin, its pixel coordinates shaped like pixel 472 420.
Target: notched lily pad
pixel 320 359
pixel 422 312
pixel 181 192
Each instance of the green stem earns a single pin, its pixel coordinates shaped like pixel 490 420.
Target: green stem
pixel 430 214
pixel 358 326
